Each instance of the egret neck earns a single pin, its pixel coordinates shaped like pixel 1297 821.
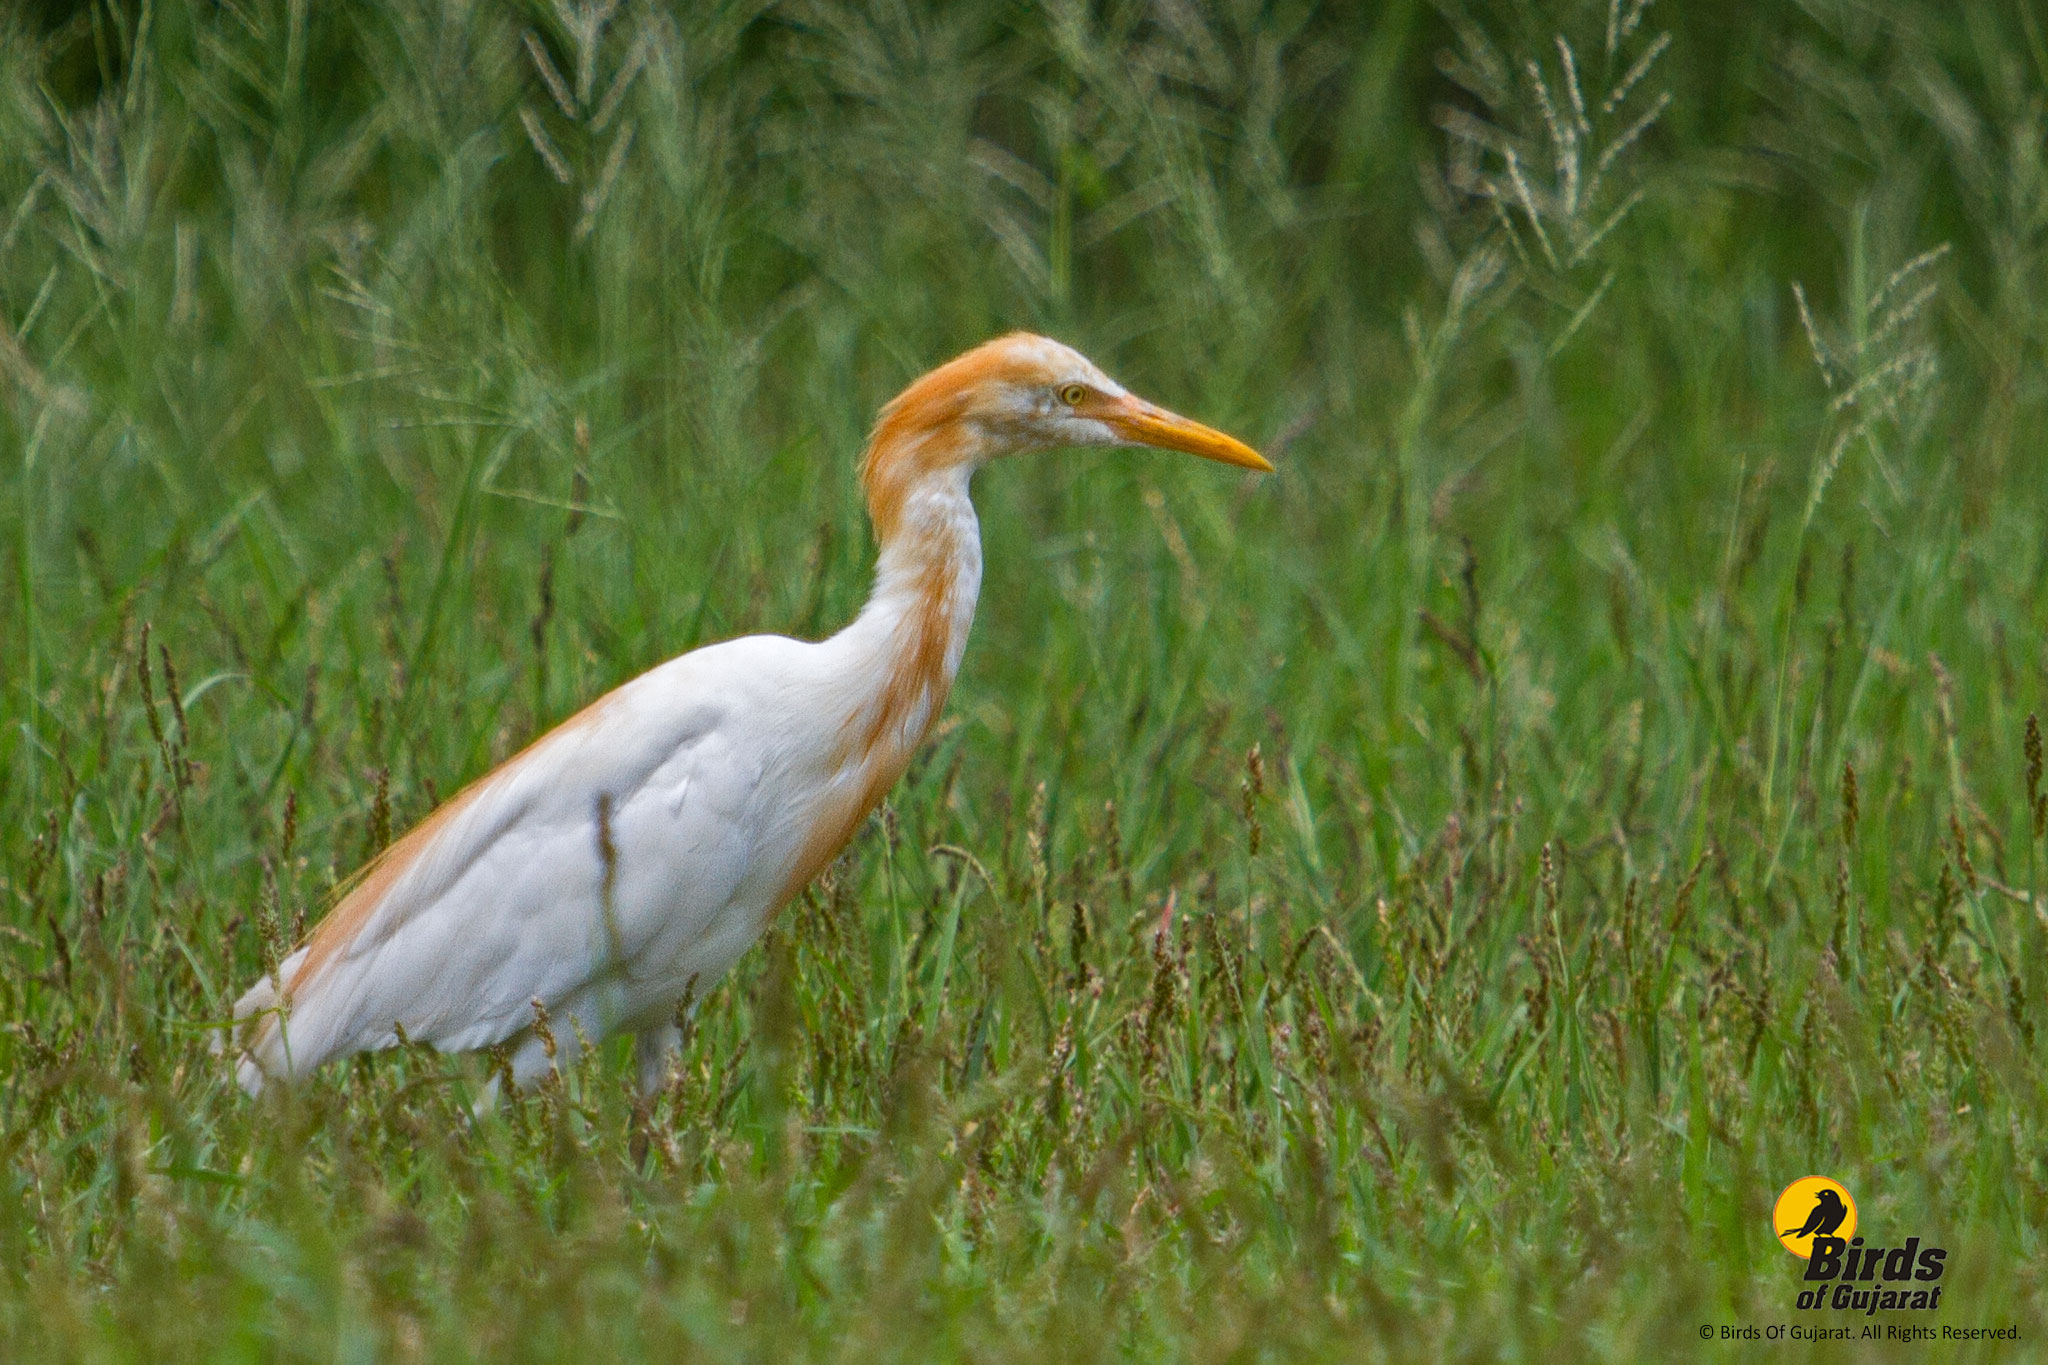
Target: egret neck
pixel 913 630
pixel 898 658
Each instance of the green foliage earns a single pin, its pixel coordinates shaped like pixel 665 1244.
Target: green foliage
pixel 1426 902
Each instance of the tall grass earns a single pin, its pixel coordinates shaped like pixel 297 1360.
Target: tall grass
pixel 1425 902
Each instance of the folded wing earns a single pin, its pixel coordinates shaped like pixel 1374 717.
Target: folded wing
pixel 619 837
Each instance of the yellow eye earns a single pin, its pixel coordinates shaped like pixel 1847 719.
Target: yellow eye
pixel 1073 394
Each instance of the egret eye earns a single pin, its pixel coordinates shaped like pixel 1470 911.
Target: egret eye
pixel 1072 394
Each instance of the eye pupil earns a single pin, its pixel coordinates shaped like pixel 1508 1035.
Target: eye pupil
pixel 1072 394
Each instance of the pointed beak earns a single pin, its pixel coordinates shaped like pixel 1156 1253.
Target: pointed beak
pixel 1146 424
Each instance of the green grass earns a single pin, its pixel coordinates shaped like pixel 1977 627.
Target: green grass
pixel 1421 905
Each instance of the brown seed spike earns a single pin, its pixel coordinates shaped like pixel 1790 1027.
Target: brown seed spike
pixel 1077 945
pixel 500 1068
pixel 143 677
pixel 2033 751
pixel 1955 831
pixel 269 932
pixel 543 1029
pixel 163 653
pixel 1253 788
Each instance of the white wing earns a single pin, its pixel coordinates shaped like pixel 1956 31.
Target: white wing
pixel 638 844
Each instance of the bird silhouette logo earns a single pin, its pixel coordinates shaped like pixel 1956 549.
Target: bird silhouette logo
pixel 1812 1206
pixel 1828 1213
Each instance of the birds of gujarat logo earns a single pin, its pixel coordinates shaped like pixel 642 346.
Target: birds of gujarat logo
pixel 1813 1206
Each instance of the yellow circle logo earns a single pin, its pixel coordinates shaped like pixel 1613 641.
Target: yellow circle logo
pixel 1813 1206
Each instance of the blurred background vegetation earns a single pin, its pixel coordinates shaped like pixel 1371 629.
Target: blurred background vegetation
pixel 1426 901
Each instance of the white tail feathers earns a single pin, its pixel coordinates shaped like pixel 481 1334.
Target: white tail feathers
pixel 261 1051
pixel 256 1017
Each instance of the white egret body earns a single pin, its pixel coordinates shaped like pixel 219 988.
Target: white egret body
pixel 635 851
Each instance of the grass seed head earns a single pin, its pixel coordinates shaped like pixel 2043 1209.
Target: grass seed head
pixel 2036 807
pixel 1962 851
pixel 543 1028
pixel 1851 811
pixel 1252 787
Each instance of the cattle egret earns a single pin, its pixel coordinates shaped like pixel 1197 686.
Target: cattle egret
pixel 627 858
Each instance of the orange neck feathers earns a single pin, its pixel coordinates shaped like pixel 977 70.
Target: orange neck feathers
pixel 929 571
pixel 914 627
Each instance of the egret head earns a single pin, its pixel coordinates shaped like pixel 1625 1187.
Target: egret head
pixel 1016 394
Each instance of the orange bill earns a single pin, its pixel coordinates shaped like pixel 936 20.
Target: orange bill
pixel 1145 424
